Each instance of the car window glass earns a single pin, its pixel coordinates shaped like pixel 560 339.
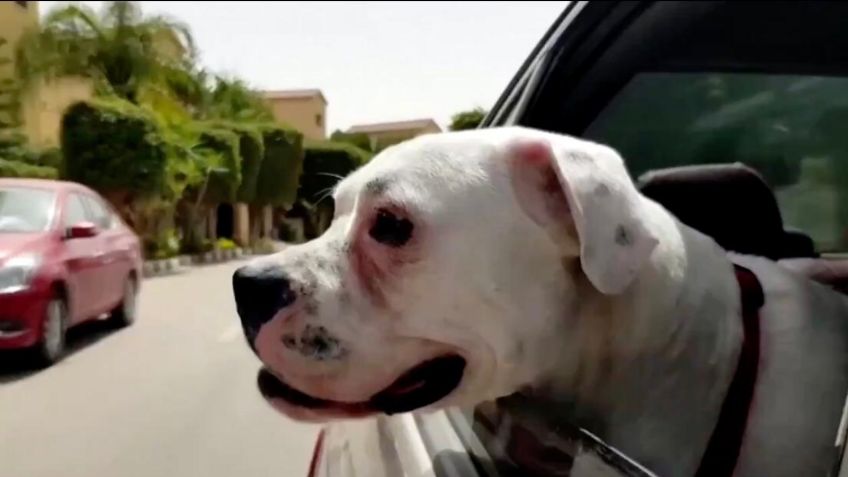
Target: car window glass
pixel 74 211
pixel 98 214
pixel 787 127
pixel 24 209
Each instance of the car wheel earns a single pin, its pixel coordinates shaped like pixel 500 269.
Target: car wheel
pixel 51 346
pixel 124 314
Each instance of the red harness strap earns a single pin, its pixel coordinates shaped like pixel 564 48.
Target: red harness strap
pixel 724 446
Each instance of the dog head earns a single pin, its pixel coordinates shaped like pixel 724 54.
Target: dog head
pixel 454 267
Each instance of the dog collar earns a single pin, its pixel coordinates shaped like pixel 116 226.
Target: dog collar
pixel 725 443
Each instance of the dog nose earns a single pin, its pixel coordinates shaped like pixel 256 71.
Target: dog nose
pixel 260 292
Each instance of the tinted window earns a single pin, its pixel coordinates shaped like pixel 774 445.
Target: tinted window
pixel 74 211
pixel 790 128
pixel 25 210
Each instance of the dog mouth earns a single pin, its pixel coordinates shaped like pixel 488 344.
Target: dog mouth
pixel 422 385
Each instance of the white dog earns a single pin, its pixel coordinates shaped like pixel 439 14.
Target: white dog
pixel 464 267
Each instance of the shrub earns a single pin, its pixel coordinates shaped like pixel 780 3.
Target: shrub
pixel 280 172
pixel 263 246
pixel 113 145
pixel 166 245
pixel 386 142
pixel 225 244
pixel 50 157
pixel 20 169
pixel 360 140
pixel 287 233
pixel 196 247
pixel 220 147
pixel 251 149
pixel 324 164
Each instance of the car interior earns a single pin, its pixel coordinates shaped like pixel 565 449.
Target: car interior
pixel 742 215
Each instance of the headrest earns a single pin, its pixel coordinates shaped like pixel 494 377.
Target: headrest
pixel 731 203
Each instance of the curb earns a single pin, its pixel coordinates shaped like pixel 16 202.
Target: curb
pixel 168 266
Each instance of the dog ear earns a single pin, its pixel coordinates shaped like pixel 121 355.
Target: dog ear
pixel 582 188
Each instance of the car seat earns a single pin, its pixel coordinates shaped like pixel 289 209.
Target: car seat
pixel 734 205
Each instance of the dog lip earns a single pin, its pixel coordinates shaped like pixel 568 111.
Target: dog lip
pixel 272 387
pixel 422 385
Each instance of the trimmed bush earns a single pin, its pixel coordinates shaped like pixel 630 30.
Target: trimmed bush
pixel 324 164
pixel 281 168
pixel 252 151
pixel 184 168
pixel 225 244
pixel 220 147
pixel 360 140
pixel 166 245
pixel 113 145
pixel 50 157
pixel 21 169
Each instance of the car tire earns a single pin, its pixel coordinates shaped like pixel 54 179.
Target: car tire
pixel 51 346
pixel 124 314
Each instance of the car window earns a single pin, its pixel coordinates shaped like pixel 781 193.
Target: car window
pixel 74 211
pixel 787 127
pixel 25 209
pixel 98 213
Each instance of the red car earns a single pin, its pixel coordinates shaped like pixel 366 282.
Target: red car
pixel 65 257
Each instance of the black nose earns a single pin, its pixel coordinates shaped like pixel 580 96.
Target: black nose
pixel 260 291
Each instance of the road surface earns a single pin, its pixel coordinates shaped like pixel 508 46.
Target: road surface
pixel 173 395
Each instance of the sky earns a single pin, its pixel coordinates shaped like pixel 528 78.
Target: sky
pixel 374 61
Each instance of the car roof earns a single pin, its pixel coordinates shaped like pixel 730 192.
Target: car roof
pixel 50 184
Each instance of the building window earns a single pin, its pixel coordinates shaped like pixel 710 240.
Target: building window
pixel 319 120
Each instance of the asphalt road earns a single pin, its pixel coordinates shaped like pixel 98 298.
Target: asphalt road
pixel 173 395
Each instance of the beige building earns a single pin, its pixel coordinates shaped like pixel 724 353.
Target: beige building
pixel 386 134
pixel 42 105
pixel 303 109
pixel 15 19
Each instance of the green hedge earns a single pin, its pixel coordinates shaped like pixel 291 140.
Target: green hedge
pixel 360 140
pixel 252 151
pixel 281 168
pixel 111 144
pixel 324 163
pixel 220 147
pixel 20 169
pixel 384 143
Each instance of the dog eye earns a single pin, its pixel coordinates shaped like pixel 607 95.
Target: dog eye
pixel 391 230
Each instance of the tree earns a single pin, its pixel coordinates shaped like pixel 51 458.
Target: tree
pixel 234 100
pixel 118 47
pixel 467 119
